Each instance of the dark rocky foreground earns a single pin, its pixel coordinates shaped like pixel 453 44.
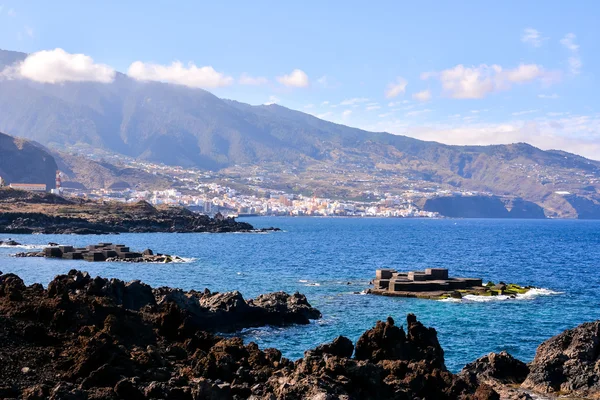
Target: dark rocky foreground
pixel 568 363
pixel 84 338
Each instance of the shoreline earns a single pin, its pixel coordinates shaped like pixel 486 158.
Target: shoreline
pixel 88 316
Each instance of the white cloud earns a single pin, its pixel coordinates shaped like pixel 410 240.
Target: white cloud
pixel 28 31
pixel 385 115
pixel 575 64
pixel 373 107
pixel 523 73
pixel 533 37
pixel 309 106
pixel 576 134
pixel 325 115
pixel 57 66
pixel 396 88
pixel 297 78
pixel 525 112
pixel 548 96
pixel 424 95
pixel 272 100
pixel 417 112
pixel 398 103
pixel 246 79
pixel 177 73
pixel 325 103
pixel 354 101
pixel 574 60
pixel 476 82
pixel 11 13
pixel 569 42
pixel 346 114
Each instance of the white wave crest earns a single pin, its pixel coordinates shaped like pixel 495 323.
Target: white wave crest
pixel 535 292
pixel 529 295
pixel 23 246
pixel 451 300
pixel 184 259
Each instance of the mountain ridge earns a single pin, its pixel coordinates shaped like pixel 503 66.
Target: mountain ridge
pixel 24 161
pixel 177 125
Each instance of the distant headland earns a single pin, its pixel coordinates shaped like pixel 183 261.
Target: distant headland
pixel 28 212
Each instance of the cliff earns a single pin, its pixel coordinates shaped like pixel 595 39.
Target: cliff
pixel 23 161
pixel 483 207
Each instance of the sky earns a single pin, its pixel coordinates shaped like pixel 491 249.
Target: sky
pixel 457 72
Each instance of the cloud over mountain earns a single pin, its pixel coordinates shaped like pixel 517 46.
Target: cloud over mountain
pixel 476 82
pixel 57 66
pixel 177 73
pixel 297 78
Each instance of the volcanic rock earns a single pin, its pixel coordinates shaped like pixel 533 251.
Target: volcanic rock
pixel 501 367
pixel 568 363
pixel 106 339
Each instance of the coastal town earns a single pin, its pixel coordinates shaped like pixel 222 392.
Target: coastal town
pixel 210 193
pixel 270 190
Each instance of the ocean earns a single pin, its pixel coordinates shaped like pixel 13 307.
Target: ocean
pixel 332 260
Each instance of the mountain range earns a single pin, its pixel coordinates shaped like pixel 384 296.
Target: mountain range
pixel 177 125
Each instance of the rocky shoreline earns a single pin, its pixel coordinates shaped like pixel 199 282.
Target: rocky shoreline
pixel 94 338
pixel 28 213
pixel 175 220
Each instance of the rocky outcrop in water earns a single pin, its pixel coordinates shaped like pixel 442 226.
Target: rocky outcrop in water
pixel 9 242
pixel 101 252
pixel 568 363
pixel 94 338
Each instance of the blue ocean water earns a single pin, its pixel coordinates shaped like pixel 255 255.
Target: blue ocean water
pixel 331 260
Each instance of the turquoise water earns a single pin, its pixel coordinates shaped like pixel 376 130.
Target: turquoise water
pixel 332 260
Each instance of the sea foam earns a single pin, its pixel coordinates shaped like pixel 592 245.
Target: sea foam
pixel 531 294
pixel 23 246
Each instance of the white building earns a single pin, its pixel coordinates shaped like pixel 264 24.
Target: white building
pixel 30 187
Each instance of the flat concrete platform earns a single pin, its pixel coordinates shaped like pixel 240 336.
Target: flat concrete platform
pixel 430 283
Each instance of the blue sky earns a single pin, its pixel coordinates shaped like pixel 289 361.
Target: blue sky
pixel 461 72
